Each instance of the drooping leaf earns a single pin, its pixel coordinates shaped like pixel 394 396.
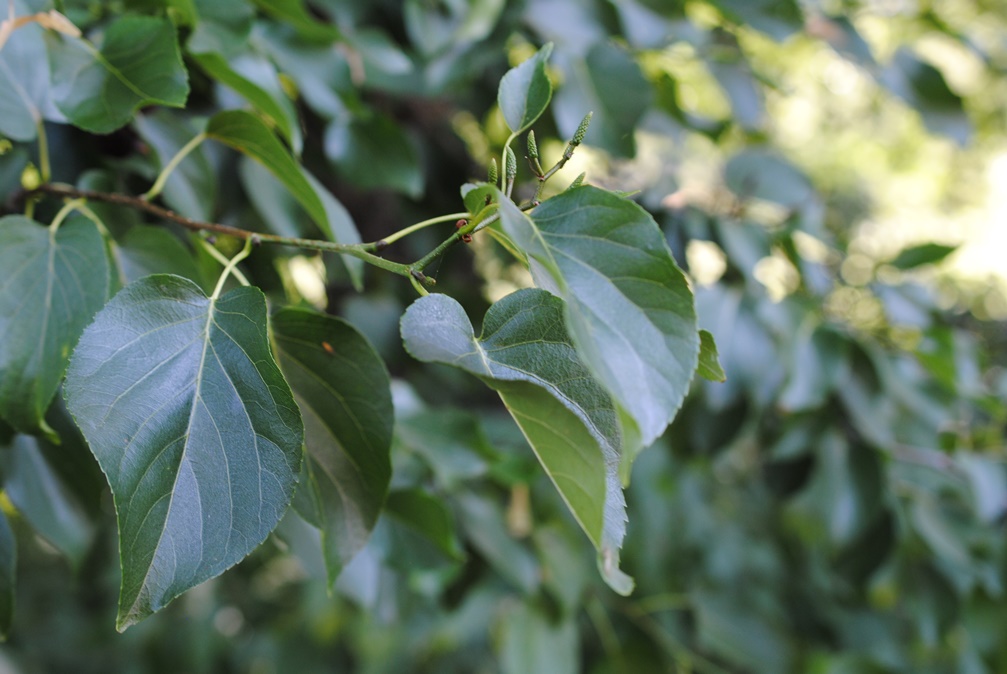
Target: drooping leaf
pixel 525 91
pixel 629 309
pixel 248 134
pixel 709 364
pixel 53 284
pixel 45 502
pixel 191 188
pixel 250 76
pixel 525 354
pixel 194 427
pixel 8 567
pixel 138 64
pixel 342 388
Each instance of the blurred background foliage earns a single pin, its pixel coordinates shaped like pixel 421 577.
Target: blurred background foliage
pixel 833 176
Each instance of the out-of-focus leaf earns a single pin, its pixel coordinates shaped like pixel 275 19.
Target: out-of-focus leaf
pixel 840 33
pixel 526 356
pixel 138 64
pixel 8 567
pixel 295 14
pixel 485 529
pixel 194 427
pixel 254 79
pixel 628 306
pixel 989 485
pixel 191 188
pixel 922 86
pixel 223 27
pixel 735 77
pixel 450 441
pixel 24 82
pixel 777 18
pixel 525 91
pixel 709 364
pixel 609 83
pixel 44 501
pixel 817 358
pixel 917 256
pixel 531 642
pixel 54 283
pixel 375 153
pixel 434 29
pixel 427 515
pixel 342 388
pixel 742 636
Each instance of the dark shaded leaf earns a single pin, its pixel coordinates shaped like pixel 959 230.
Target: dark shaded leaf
pixel 342 388
pixel 8 567
pixel 427 515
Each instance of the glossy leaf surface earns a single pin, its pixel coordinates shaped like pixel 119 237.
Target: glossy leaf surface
pixel 525 354
pixel 194 426
pixel 342 388
pixel 53 284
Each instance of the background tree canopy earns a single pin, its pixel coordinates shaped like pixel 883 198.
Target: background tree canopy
pixel 830 176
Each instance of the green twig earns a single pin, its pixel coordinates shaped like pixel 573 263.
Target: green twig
pixel 44 168
pixel 166 172
pixel 388 240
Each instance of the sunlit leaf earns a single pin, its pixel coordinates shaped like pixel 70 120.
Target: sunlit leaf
pixel 709 364
pixel 53 284
pixel 917 256
pixel 342 388
pixel 194 426
pixel 525 354
pixel 138 64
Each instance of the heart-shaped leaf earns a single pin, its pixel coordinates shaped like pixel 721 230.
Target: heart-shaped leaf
pixel 24 82
pixel 526 355
pixel 194 427
pixel 628 307
pixel 139 64
pixel 343 390
pixel 54 282
pixel 525 91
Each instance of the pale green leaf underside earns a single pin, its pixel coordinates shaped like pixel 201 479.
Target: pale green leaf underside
pixel 629 309
pixel 525 91
pixel 194 427
pixel 525 354
pixel 139 64
pixel 343 390
pixel 52 284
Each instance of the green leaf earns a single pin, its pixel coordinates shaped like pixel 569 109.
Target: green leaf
pixel 45 502
pixel 375 153
pixel 531 642
pixel 139 64
pixel 343 390
pixel 525 354
pixel 609 83
pixel 427 515
pixel 917 256
pixel 194 427
pixel 191 188
pixel 248 134
pixel 223 26
pixel 629 309
pixel 525 91
pixel 709 364
pixel 294 13
pixel 149 250
pixel 24 83
pixel 8 567
pixel 249 76
pixel 53 284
